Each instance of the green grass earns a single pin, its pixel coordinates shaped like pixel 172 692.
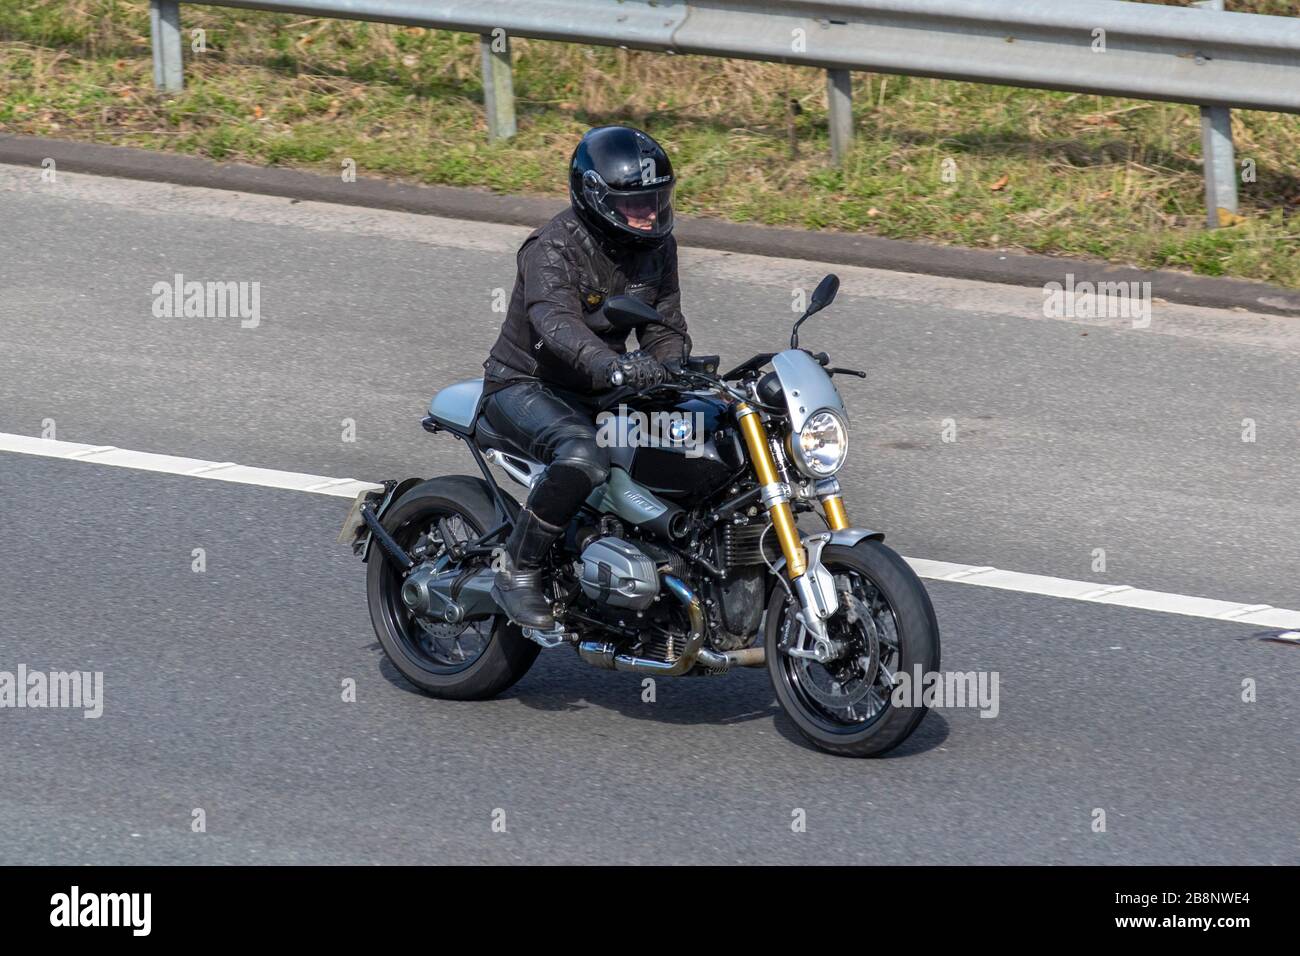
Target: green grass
pixel 1084 175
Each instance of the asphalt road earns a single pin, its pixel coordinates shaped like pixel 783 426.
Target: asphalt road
pixel 222 688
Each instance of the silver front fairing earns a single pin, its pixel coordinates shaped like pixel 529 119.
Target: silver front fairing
pixel 807 387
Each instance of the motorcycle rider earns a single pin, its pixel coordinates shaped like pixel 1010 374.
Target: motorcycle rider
pixel 556 351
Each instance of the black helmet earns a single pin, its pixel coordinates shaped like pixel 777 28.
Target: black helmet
pixel 621 185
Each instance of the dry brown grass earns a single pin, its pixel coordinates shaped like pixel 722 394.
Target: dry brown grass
pixel 1079 174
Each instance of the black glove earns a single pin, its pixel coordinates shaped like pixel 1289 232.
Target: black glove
pixel 639 370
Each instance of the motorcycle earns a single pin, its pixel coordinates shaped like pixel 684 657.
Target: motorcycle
pixel 689 560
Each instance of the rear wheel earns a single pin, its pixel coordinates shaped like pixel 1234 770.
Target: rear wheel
pixel 468 661
pixel 885 625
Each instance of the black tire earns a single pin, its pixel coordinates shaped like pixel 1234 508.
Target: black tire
pixel 916 634
pixel 507 654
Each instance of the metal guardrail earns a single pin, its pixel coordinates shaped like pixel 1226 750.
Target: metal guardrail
pixel 1206 57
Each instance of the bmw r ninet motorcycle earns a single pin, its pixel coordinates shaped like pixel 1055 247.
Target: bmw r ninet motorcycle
pixel 689 561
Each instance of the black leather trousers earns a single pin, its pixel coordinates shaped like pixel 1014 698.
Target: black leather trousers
pixel 557 428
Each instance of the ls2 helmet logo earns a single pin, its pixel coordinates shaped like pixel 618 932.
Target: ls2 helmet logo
pixel 649 172
pixel 648 177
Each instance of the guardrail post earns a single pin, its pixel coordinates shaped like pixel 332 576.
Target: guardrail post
pixel 1220 164
pixel 1217 153
pixel 498 86
pixel 839 100
pixel 165 32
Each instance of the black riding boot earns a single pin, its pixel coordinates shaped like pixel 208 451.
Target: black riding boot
pixel 518 585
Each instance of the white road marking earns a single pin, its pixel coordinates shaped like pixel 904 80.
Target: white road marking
pixel 189 467
pixel 1123 595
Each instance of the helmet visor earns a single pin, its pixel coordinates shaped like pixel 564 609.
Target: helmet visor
pixel 639 212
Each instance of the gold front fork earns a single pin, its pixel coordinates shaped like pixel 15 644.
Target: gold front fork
pixel 774 494
pixel 828 490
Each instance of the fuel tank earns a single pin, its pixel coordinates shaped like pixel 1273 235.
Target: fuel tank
pixel 681 450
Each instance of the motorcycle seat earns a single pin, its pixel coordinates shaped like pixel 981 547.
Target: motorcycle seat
pixel 456 407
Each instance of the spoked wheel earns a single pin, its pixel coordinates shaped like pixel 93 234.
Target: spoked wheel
pixel 854 688
pixel 884 625
pixel 466 661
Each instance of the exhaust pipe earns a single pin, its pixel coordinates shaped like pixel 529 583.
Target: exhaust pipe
pixel 605 655
pixel 720 663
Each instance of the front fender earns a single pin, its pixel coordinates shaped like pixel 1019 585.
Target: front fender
pixel 847 537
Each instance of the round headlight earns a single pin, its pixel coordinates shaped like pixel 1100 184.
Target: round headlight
pixel 823 445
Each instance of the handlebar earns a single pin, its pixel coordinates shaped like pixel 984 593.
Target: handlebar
pixel 824 361
pixel 686 379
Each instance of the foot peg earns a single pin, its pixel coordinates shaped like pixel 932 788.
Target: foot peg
pixel 550 638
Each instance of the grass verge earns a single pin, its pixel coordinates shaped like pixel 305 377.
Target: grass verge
pixel 982 166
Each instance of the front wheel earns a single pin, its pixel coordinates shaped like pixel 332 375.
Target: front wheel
pixel 469 661
pixel 885 625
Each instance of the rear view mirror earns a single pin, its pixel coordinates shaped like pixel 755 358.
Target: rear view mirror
pixel 824 294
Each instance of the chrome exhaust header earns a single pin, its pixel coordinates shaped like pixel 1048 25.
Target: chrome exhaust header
pixel 603 654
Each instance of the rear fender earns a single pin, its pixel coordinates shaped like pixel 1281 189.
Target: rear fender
pixel 379 502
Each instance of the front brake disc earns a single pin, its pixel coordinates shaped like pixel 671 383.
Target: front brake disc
pixel 859 614
pixel 831 690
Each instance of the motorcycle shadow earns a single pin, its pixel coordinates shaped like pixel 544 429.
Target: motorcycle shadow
pixel 559 684
pixel 932 733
